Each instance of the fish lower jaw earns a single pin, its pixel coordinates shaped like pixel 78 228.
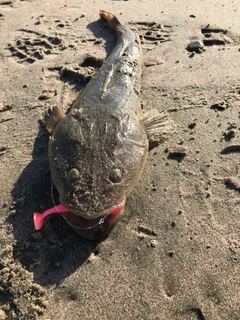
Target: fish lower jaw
pixel 90 215
pixel 96 226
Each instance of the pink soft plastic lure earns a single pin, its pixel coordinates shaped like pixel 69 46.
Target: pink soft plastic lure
pixel 38 218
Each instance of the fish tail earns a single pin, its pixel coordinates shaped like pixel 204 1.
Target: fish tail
pixel 112 21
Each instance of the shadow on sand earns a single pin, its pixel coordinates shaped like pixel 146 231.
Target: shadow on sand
pixel 54 252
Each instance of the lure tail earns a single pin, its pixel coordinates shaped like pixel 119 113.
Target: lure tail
pixel 38 218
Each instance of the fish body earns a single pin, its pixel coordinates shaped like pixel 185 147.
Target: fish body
pixel 98 151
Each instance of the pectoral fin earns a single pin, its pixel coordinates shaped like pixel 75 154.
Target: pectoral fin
pixel 52 118
pixel 158 126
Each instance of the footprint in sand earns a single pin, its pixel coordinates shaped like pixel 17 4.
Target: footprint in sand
pixel 219 37
pixel 33 46
pixel 152 34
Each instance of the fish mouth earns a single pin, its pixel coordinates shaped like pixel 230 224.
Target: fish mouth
pixel 91 228
pixel 90 215
pixel 97 227
pixel 81 223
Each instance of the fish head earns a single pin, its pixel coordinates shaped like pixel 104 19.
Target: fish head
pixel 96 162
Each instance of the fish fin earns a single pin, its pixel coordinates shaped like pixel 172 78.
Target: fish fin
pixel 158 126
pixel 52 118
pixel 110 18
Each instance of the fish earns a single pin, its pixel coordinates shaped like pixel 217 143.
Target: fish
pixel 97 152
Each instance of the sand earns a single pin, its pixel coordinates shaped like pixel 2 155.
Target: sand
pixel 176 252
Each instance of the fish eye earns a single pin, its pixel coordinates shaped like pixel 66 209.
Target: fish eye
pixel 73 175
pixel 116 176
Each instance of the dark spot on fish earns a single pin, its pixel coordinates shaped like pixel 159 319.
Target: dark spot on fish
pixel 74 113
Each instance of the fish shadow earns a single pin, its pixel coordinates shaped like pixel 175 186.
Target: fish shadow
pixel 55 251
pixel 101 30
pixel 78 80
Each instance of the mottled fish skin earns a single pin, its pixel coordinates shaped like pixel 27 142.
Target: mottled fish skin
pixel 98 151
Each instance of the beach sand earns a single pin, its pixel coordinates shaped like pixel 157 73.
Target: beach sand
pixel 176 252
